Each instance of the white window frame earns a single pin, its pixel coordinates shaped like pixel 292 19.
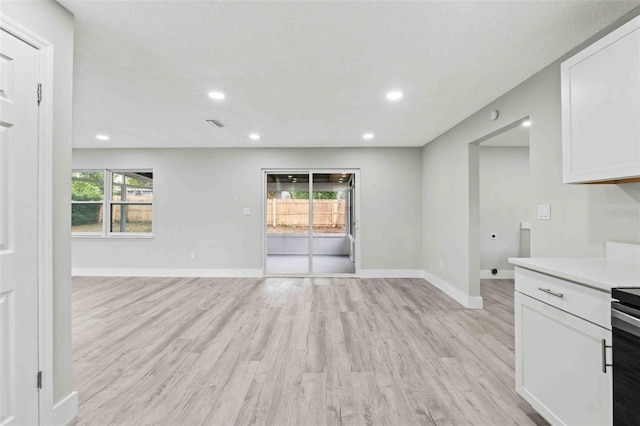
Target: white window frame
pixel 104 197
pixel 107 203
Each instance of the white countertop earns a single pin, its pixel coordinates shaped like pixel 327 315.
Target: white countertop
pixel 599 272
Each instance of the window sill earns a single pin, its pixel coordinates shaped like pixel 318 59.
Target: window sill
pixel 81 236
pixel 292 234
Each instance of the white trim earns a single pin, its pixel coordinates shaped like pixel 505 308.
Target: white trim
pixel 486 274
pixel 113 235
pixel 469 302
pixel 357 187
pixel 45 213
pixel 66 410
pixel 165 272
pixel 309 222
pixel 24 34
pixel 390 273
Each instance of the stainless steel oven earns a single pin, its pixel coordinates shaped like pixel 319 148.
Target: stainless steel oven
pixel 625 325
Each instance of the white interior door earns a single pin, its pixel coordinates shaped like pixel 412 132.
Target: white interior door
pixel 19 65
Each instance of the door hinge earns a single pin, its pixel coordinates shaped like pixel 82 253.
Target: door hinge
pixel 39 93
pixel 39 380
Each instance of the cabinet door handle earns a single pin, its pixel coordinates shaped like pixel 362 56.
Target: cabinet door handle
pixel 604 356
pixel 553 293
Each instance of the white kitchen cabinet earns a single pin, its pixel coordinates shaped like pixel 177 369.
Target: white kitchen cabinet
pixel 601 109
pixel 561 351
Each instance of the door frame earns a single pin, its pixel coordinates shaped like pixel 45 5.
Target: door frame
pixel 263 196
pixel 45 214
pixel 473 167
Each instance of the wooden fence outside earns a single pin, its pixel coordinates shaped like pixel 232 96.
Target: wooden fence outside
pixel 326 213
pixel 135 212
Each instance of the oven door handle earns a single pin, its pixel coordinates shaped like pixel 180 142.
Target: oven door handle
pixel 625 322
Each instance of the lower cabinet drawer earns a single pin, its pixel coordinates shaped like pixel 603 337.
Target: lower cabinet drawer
pixel 585 302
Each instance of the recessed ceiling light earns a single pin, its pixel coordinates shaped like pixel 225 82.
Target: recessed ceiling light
pixel 526 123
pixel 367 136
pixel 394 95
pixel 254 136
pixel 102 137
pixel 218 96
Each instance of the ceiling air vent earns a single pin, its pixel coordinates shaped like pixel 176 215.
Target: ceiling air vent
pixel 216 122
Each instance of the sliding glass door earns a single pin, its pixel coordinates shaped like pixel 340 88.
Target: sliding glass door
pixel 310 222
pixel 287 223
pixel 330 226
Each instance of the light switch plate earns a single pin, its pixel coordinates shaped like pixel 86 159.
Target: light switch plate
pixel 544 212
pixel 246 211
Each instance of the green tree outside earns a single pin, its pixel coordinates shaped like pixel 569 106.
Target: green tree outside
pixel 317 195
pixel 86 186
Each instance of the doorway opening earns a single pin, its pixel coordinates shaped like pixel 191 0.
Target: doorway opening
pixel 310 222
pixel 500 202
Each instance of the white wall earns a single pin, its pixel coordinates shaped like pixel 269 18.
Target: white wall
pixel 581 215
pixel 55 24
pixel 505 201
pixel 200 193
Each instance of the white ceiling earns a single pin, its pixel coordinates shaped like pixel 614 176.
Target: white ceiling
pixel 307 74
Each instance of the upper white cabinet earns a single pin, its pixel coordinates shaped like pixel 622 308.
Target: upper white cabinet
pixel 601 109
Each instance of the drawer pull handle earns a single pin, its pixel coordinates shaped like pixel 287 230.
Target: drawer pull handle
pixel 553 293
pixel 604 356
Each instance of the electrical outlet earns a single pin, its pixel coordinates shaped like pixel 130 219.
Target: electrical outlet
pixel 192 255
pixel 441 263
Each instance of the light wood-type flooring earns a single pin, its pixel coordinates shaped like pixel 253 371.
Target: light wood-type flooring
pixel 292 351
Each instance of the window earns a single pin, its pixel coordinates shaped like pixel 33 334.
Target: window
pixel 87 201
pixel 126 210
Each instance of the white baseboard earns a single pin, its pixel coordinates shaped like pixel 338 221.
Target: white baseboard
pixel 247 273
pixel 469 302
pixel 390 273
pixel 66 410
pixel 159 272
pixel 501 275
